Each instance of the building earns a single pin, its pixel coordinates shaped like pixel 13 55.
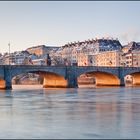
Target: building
pixel 126 60
pixel 40 49
pixel 108 58
pixel 56 56
pixel 20 56
pixel 38 62
pixel 73 52
pixel 16 58
pixel 66 53
pixel 136 58
pixel 1 60
pixel 130 55
pixel 86 60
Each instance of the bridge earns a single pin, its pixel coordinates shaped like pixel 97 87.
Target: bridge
pixel 66 76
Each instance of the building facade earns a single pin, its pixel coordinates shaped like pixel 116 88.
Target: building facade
pixel 82 53
pixel 108 58
pixel 16 58
pixel 40 49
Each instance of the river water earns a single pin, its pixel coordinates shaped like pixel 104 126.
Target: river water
pixel 105 112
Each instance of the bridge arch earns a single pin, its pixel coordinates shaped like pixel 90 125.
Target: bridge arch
pixel 50 79
pixel 100 78
pixel 27 79
pixel 82 69
pixel 135 79
pixel 20 70
pixel 133 73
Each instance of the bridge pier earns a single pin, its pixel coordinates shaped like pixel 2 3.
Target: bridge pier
pixel 8 85
pixel 71 78
pixel 72 82
pixel 7 78
pixel 122 82
pixel 121 76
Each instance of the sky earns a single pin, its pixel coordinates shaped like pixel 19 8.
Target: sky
pixel 54 23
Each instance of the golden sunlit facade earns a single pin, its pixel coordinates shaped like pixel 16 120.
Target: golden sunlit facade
pixel 86 60
pixel 108 58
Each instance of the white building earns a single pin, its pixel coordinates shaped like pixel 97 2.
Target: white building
pixel 38 62
pixel 16 58
pixel 72 51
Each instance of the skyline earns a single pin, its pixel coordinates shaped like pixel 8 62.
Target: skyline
pixel 26 24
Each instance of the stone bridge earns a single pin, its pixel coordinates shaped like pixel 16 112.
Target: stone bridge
pixel 68 73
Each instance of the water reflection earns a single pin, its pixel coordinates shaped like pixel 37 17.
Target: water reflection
pixel 33 112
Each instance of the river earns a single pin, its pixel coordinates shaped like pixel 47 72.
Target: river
pixel 84 113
